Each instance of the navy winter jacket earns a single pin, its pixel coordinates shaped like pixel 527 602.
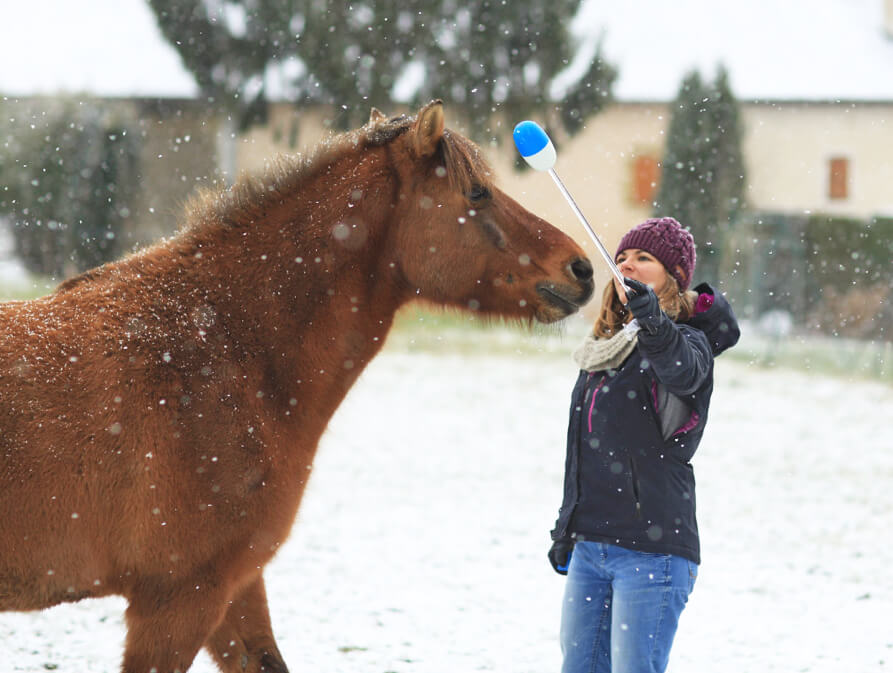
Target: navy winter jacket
pixel 633 431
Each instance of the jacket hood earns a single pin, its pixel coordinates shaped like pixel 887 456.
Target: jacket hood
pixel 714 317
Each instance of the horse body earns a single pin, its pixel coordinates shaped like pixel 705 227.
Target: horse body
pixel 159 416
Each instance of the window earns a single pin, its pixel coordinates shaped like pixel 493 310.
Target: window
pixel 646 174
pixel 838 177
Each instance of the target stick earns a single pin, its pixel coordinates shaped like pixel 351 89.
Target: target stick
pixel 538 151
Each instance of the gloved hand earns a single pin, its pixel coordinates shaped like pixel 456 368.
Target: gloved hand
pixel 644 305
pixel 560 555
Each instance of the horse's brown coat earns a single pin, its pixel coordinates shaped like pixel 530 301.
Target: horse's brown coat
pixel 159 415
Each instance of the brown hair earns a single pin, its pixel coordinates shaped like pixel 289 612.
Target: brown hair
pixel 678 305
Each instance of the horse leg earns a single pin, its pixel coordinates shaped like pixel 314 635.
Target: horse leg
pixel 243 642
pixel 166 629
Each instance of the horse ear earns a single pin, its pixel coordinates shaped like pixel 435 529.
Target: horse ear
pixel 428 129
pixel 376 116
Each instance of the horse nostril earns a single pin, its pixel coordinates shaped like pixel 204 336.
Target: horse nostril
pixel 582 269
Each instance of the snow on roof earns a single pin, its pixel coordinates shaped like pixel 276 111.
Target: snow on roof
pixel 773 49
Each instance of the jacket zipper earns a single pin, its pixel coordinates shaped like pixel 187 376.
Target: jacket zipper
pixel 632 463
pixel 580 443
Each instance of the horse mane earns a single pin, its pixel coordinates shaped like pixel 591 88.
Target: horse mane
pixel 252 194
pixel 248 199
pixel 83 277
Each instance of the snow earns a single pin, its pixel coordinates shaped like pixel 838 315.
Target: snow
pixel 420 546
pixel 797 49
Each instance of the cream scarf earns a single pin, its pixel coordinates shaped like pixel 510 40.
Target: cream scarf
pixel 595 355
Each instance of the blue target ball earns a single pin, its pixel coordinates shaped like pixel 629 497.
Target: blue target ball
pixel 534 145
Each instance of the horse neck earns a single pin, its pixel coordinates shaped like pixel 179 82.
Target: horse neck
pixel 312 283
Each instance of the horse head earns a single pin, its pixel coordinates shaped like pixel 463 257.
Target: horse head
pixel 464 242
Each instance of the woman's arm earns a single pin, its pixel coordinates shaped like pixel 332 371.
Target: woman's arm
pixel 679 356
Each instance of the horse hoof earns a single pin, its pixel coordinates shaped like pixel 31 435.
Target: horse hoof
pixel 270 663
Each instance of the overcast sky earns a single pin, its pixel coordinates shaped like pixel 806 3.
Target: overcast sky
pixel 778 49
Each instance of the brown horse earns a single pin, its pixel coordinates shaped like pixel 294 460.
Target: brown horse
pixel 159 415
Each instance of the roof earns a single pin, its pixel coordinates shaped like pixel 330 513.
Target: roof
pixel 793 49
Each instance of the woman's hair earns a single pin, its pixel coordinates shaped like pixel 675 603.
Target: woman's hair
pixel 679 307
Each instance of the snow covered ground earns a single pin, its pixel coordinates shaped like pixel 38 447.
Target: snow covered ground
pixel 420 547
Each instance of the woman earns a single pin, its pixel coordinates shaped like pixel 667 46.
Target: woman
pixel 626 534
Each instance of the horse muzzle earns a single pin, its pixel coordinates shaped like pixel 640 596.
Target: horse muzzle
pixel 560 301
pixel 564 298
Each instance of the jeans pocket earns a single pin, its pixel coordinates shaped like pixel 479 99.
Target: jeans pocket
pixel 692 575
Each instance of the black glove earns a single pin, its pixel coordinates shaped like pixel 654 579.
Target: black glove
pixel 643 304
pixel 560 555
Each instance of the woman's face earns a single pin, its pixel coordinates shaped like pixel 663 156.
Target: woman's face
pixel 641 266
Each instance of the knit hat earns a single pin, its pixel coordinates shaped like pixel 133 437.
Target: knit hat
pixel 664 238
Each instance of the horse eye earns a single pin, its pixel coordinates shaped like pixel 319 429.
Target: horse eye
pixel 478 193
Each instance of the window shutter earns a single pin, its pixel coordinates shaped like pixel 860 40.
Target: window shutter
pixel 838 177
pixel 646 174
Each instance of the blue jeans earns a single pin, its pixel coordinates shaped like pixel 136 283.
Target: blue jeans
pixel 621 608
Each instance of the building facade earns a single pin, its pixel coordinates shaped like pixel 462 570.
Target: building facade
pixel 801 158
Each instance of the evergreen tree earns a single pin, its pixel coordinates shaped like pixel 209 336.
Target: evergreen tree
pixel 487 55
pixel 703 176
pixel 68 172
pixel 728 153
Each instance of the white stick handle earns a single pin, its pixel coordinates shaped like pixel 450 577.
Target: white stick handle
pixel 588 227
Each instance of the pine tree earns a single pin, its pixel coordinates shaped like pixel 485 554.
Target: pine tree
pixel 703 176
pixel 728 154
pixel 485 55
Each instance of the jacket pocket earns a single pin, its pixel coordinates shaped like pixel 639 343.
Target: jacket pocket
pixel 592 402
pixel 634 478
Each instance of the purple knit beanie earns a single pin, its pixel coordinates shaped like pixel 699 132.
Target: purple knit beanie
pixel 664 238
